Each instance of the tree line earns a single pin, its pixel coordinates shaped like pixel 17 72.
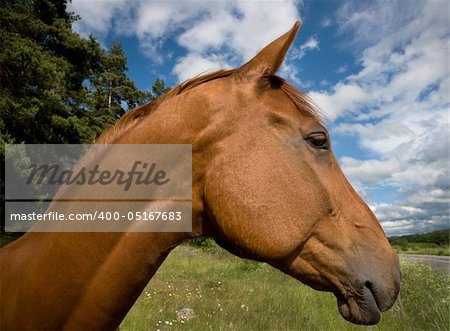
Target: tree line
pixel 439 237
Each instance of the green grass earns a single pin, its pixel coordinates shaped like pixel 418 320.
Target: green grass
pixel 228 293
pixel 422 248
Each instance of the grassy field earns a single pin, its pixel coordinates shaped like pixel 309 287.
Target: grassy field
pixel 228 293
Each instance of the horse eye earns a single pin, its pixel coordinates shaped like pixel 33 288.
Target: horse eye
pixel 318 140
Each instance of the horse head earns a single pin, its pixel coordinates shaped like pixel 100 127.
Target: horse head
pixel 270 188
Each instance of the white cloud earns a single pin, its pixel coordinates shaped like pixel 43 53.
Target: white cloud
pixel 325 23
pixel 397 106
pixel 297 53
pixel 370 171
pixel 195 64
pixel 372 21
pixel 311 43
pixel 204 28
pixel 96 15
pixel 211 33
pixel 400 218
pixel 345 97
pixel 342 69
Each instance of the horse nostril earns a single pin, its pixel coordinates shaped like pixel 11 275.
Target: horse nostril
pixel 369 285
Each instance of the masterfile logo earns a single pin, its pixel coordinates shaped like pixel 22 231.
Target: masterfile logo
pixel 98 188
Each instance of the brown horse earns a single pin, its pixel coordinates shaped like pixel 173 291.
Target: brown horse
pixel 266 186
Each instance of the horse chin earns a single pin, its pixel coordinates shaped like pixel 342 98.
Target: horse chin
pixel 360 310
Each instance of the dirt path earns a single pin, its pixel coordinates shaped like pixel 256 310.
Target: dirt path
pixel 438 263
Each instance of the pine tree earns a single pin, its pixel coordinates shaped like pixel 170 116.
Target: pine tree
pixel 44 64
pixel 113 92
pixel 159 88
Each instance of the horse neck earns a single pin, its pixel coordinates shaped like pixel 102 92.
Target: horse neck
pixel 127 262
pixel 133 258
pixel 100 275
pixel 87 280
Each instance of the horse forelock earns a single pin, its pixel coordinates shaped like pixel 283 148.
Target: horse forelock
pixel 304 104
pixel 301 100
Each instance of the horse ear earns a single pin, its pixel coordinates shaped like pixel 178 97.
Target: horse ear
pixel 270 58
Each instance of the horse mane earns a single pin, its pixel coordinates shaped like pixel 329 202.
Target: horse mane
pixel 131 118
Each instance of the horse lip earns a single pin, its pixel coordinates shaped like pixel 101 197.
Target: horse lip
pixel 360 309
pixel 380 305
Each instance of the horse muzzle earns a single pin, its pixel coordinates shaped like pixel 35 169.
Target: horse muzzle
pixel 364 301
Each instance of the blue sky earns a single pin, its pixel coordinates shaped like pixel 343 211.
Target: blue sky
pixel 379 71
